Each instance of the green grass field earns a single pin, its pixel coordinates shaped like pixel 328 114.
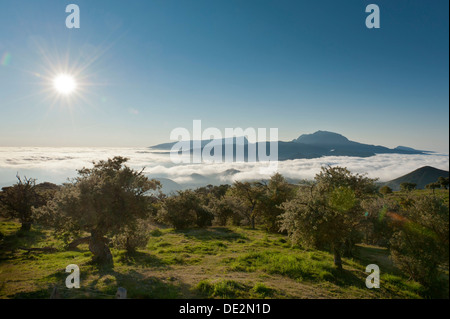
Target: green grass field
pixel 216 262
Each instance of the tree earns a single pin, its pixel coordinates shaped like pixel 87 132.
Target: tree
pixel 250 193
pixel 224 210
pixel 385 190
pixel 420 245
pixel 133 236
pixel 327 214
pixel 19 199
pixel 185 210
pixel 277 191
pixel 433 186
pixel 406 186
pixel 443 181
pixel 104 200
pixel 212 192
pixel 377 221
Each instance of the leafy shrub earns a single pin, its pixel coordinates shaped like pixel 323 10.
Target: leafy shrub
pixel 132 237
pixel 377 224
pixel 385 190
pixel 185 210
pixel 223 210
pixel 420 246
pixel 407 186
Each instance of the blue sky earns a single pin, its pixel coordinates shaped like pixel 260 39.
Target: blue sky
pixel 300 66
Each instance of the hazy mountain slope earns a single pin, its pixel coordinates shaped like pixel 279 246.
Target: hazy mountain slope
pixel 168 186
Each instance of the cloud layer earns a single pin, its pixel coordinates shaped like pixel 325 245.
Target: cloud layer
pixel 58 164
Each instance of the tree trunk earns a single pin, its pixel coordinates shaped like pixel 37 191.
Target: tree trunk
pixel 26 226
pixel 253 222
pixel 74 244
pixel 348 247
pixel 337 258
pixel 129 247
pixel 98 245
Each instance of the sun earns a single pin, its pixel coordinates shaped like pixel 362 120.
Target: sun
pixel 64 84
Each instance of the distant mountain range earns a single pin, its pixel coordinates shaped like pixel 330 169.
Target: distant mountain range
pixel 169 186
pixel 421 176
pixel 318 144
pixel 195 180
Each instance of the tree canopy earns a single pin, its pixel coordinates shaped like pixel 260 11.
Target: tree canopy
pixel 102 200
pixel 327 213
pixel 19 199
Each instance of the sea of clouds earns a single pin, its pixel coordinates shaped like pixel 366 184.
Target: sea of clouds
pixel 58 164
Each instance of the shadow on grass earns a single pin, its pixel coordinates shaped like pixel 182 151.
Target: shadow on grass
pixel 212 233
pixel 347 278
pixel 37 294
pixel 142 259
pixel 9 244
pixel 141 287
pixel 376 255
pixel 21 238
pixel 104 286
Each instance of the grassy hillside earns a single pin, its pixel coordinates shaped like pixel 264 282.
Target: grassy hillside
pixel 217 262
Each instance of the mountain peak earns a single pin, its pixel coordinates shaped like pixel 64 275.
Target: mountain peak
pixel 322 137
pixel 318 144
pixel 421 176
pixel 404 148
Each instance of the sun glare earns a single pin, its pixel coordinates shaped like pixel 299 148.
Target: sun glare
pixel 64 84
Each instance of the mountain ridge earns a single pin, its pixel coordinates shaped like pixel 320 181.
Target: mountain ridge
pixel 317 144
pixel 421 176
